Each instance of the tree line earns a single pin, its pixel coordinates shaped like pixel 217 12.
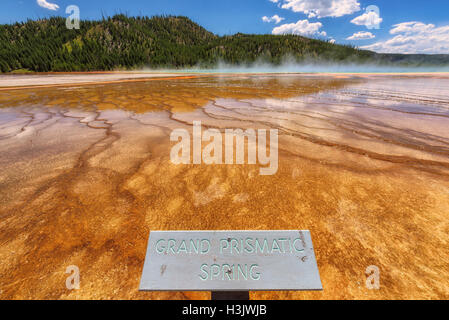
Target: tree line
pixel 122 43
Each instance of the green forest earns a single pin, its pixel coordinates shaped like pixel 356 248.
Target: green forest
pixel 124 43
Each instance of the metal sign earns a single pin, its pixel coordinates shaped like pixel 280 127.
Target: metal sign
pixel 230 261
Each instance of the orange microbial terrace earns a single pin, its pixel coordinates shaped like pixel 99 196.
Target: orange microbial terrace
pixel 363 164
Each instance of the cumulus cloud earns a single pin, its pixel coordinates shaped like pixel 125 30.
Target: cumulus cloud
pixel 302 27
pixel 274 18
pixel 414 37
pixel 321 8
pixel 47 5
pixel 362 35
pixel 368 19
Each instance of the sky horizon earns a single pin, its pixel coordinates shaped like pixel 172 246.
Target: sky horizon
pixel 377 25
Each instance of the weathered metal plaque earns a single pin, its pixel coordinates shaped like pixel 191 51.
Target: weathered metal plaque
pixel 230 261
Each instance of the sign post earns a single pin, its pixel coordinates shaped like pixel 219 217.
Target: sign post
pixel 230 263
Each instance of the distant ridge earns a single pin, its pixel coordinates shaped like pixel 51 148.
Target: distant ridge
pixel 122 43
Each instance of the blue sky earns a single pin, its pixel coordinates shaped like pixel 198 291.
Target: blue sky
pixel 412 26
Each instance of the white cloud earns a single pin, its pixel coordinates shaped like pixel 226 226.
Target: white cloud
pixel 47 5
pixel 414 37
pixel 322 8
pixel 332 41
pixel 362 35
pixel 302 27
pixel 275 18
pixel 412 27
pixel 368 19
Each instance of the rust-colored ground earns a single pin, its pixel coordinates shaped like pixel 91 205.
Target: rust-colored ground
pixel 364 165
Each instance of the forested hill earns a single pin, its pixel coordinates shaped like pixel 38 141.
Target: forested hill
pixel 122 42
